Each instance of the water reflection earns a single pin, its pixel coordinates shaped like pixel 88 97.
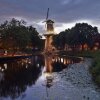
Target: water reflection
pixel 17 75
pixel 56 64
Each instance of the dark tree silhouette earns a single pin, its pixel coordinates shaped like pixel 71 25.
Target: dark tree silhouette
pixel 80 34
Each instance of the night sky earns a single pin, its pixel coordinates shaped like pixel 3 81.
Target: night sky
pixel 65 13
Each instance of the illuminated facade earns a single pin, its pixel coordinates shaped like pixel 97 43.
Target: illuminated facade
pixel 49 34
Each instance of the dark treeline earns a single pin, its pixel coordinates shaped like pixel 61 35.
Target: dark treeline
pixel 79 36
pixel 16 36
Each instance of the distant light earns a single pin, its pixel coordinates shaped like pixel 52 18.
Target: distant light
pixel 62 60
pixel 38 65
pixel 5 65
pixel 29 62
pixel 2 70
pixel 26 66
pixel 95 48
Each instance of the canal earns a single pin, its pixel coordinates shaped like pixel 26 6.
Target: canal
pixel 47 78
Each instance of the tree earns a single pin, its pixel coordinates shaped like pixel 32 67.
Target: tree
pixel 15 35
pixel 80 34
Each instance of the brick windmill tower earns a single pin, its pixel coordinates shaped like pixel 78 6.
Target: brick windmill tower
pixel 49 33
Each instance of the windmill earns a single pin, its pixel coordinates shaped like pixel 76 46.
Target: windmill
pixel 49 33
pixel 49 24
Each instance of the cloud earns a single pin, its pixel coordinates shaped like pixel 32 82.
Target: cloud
pixel 65 2
pixel 62 11
pixel 63 26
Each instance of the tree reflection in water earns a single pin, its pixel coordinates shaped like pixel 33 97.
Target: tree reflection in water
pixel 17 75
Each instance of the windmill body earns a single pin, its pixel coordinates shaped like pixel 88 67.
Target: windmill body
pixel 49 34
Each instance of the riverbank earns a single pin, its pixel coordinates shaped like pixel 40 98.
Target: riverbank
pixel 95 68
pixel 77 82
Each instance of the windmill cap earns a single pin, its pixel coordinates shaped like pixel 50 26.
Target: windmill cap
pixel 49 21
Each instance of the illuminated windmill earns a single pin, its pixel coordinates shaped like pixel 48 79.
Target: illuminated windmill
pixel 49 33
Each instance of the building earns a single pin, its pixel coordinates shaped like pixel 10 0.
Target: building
pixel 49 35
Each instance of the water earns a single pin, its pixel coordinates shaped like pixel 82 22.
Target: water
pixel 47 78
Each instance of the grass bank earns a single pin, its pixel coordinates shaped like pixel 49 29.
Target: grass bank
pixel 95 68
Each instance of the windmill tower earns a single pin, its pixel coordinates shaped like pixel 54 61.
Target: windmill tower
pixel 49 33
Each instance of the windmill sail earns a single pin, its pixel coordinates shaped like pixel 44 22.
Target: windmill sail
pixel 47 14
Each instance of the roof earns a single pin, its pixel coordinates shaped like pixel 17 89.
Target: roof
pixel 49 21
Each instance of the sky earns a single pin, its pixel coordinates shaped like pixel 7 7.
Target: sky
pixel 65 13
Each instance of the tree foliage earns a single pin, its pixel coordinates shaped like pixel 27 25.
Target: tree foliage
pixel 80 34
pixel 16 35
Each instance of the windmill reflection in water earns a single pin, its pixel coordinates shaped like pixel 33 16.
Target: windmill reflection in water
pixel 55 63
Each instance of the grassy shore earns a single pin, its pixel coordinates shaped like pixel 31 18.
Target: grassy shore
pixel 95 68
